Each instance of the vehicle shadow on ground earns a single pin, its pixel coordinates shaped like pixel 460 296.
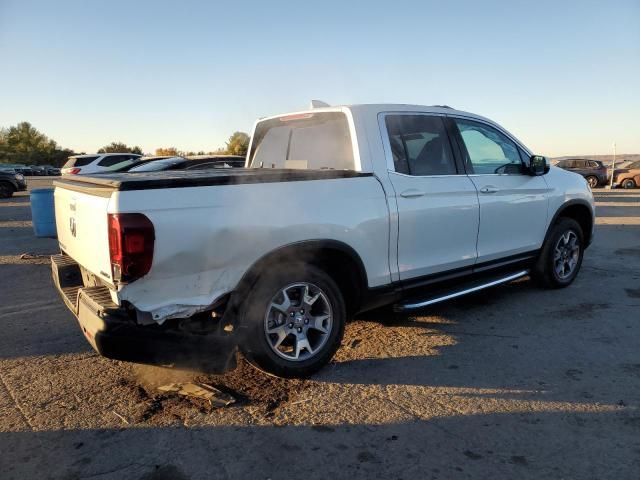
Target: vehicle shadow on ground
pixel 564 443
pixel 34 323
pixel 519 352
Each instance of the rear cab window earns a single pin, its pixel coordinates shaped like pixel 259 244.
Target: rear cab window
pixel 308 141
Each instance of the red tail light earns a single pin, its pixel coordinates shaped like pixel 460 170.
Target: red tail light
pixel 131 240
pixel 74 171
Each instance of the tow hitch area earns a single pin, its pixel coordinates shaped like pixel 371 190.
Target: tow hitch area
pixel 113 332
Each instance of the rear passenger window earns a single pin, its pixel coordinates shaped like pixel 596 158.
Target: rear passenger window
pixel 112 160
pixel 79 161
pixel 205 166
pixel 419 145
pixel 488 150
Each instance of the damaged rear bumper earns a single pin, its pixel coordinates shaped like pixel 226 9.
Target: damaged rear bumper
pixel 113 333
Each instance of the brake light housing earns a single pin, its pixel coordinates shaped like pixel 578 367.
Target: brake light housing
pixel 131 242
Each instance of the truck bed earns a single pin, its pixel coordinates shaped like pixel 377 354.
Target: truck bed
pixel 104 184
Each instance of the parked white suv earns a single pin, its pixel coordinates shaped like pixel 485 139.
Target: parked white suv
pixel 340 210
pixel 98 163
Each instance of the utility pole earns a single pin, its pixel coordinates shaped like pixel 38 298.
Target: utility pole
pixel 613 166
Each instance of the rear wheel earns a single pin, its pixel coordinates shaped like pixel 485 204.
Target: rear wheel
pixel 292 321
pixel 592 181
pixel 628 183
pixel 6 190
pixel 561 255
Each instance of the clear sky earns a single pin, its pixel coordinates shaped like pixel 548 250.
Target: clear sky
pixel 563 76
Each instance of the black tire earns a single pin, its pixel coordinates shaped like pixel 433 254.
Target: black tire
pixel 628 183
pixel 6 190
pixel 253 318
pixel 593 181
pixel 544 271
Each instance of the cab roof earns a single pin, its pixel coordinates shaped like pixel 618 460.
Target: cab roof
pixel 373 109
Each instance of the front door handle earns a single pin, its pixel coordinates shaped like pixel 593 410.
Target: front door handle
pixel 489 189
pixel 412 193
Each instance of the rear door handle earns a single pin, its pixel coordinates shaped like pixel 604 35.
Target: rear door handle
pixel 412 193
pixel 489 189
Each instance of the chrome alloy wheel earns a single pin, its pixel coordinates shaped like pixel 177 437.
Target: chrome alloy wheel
pixel 566 255
pixel 298 321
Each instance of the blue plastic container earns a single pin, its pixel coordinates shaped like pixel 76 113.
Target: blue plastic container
pixel 43 213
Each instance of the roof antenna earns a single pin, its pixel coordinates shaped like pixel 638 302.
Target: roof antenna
pixel 319 104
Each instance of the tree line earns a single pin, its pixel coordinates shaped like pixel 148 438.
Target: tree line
pixel 24 144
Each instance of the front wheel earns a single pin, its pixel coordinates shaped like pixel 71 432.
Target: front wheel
pixel 292 321
pixel 561 255
pixel 628 183
pixel 592 181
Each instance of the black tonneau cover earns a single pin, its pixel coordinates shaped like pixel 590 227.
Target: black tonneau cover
pixel 104 184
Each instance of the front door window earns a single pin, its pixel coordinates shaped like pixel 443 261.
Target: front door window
pixel 488 150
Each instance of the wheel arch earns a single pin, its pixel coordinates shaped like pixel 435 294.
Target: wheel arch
pixel 581 212
pixel 339 260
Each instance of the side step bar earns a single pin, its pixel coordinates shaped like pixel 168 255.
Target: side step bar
pixel 441 298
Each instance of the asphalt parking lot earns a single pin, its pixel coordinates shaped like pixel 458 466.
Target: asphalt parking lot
pixel 514 382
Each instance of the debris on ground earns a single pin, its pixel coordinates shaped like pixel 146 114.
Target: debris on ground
pixel 121 417
pixel 215 397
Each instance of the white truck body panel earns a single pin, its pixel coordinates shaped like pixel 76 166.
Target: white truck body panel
pixel 208 237
pixel 520 201
pixel 438 227
pixel 81 223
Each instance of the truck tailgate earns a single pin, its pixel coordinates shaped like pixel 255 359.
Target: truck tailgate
pixel 81 222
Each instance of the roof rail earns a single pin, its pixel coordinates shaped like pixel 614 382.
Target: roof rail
pixel 443 106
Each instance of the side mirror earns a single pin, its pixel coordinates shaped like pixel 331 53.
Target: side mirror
pixel 538 165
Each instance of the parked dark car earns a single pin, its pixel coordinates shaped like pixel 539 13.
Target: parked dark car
pixel 38 170
pixel 593 170
pixel 190 163
pixel 51 170
pixel 23 169
pixel 11 182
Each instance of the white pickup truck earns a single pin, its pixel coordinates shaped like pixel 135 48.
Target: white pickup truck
pixel 339 210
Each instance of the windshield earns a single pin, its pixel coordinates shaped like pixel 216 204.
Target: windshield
pixel 157 165
pixel 311 141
